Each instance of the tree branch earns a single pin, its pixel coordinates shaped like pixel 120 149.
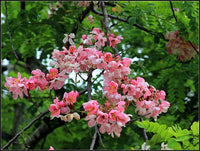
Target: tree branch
pixel 173 10
pixel 100 138
pixel 144 131
pixel 9 32
pixel 89 83
pixel 126 21
pixel 24 129
pixel 94 138
pixel 193 47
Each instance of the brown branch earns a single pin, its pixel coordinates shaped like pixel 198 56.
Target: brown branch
pixel 173 10
pixel 138 118
pixel 24 129
pixel 144 131
pixel 81 17
pixel 89 83
pixel 126 21
pixel 10 33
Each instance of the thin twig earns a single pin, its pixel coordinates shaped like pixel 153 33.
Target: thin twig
pixel 94 138
pixel 9 32
pixel 193 47
pixel 173 10
pixel 100 137
pixel 137 118
pixel 98 76
pixel 24 129
pixel 81 77
pixel 144 131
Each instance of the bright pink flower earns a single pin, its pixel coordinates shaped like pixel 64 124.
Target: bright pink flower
pixel 53 73
pixel 162 95
pixel 72 49
pixel 54 109
pixel 91 107
pixel 107 57
pixel 84 36
pixel 70 97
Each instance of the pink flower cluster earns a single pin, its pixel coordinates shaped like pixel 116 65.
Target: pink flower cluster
pixel 179 46
pixel 111 118
pixel 83 58
pixel 38 80
pixel 118 89
pixel 63 107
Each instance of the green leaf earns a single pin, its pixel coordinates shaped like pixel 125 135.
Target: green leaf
pixel 140 124
pixel 195 128
pixel 183 138
pixel 132 20
pixel 173 144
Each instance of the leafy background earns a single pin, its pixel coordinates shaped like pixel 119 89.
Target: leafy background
pixel 33 33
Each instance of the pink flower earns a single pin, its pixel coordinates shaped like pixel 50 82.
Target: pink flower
pixel 112 87
pixel 91 19
pixel 120 105
pixel 69 38
pixel 164 106
pixel 107 57
pixel 92 120
pixel 102 117
pixel 114 41
pixel 72 49
pixel 51 148
pixel 84 36
pixel 70 97
pixel 126 62
pixel 122 119
pixel 17 86
pixel 53 73
pixel 54 109
pixel 113 115
pixel 91 107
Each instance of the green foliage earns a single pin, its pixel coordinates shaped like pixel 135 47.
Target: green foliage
pixel 175 137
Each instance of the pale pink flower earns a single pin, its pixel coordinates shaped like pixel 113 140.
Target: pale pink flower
pixel 113 115
pixel 126 62
pixel 51 148
pixel 120 106
pixel 91 19
pixel 102 117
pixel 92 120
pixel 69 38
pixel 122 119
